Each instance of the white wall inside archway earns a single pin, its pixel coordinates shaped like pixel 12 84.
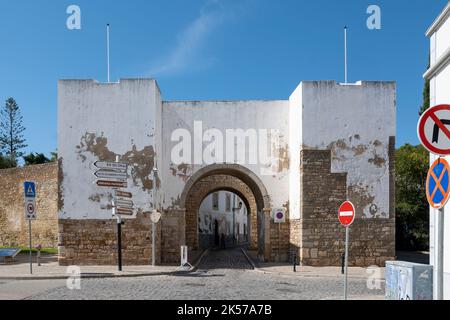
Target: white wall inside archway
pixel 225 209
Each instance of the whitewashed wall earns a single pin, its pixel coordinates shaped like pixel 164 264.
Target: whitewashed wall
pixel 221 115
pixel 95 121
pixel 355 121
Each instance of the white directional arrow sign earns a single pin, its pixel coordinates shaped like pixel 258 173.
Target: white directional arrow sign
pixel 104 174
pixel 124 203
pixel 122 167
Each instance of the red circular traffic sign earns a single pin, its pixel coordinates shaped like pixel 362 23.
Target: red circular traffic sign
pixel 30 208
pixel 347 213
pixel 433 130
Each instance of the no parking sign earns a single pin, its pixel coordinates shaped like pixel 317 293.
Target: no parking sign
pixel 438 184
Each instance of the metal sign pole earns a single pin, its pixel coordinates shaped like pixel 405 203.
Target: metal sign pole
pixel 440 256
pixel 119 242
pixel 347 236
pixel 153 244
pixel 155 172
pixel 31 255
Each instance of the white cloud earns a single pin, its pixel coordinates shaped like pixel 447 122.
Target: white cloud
pixel 191 40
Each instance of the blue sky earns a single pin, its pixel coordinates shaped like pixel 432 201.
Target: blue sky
pixel 210 49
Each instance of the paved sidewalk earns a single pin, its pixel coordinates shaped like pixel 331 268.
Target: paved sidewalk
pixel 313 272
pixel 50 269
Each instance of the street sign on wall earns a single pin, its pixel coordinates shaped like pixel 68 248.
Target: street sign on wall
pixel 279 216
pixel 347 214
pixel 106 174
pixel 117 166
pixel 438 184
pixel 434 130
pixel 111 184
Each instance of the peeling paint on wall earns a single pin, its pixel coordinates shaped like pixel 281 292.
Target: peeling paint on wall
pixel 377 161
pixel 60 185
pixel 183 171
pixel 283 159
pixel 364 202
pixel 140 161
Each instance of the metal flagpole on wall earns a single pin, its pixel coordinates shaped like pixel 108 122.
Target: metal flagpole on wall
pixel 107 50
pixel 345 55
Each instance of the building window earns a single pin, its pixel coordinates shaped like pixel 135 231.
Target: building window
pixel 215 201
pixel 228 203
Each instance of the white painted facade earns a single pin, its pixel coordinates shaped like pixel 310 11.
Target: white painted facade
pixel 439 76
pixel 129 119
pixel 354 121
pixel 225 214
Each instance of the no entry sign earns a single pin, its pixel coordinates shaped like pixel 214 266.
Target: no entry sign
pixel 438 184
pixel 434 130
pixel 347 214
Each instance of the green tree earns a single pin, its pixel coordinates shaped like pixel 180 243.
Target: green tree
pixel 412 209
pixel 12 141
pixel 54 156
pixel 6 163
pixel 38 158
pixel 426 95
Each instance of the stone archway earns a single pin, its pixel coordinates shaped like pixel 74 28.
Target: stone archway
pixel 235 179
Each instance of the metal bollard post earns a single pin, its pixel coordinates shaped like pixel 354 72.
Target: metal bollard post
pixel 38 256
pixel 295 262
pixel 343 264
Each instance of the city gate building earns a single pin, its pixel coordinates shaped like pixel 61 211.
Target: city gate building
pixel 326 143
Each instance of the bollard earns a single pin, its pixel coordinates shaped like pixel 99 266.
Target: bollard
pixel 343 264
pixel 39 248
pixel 295 263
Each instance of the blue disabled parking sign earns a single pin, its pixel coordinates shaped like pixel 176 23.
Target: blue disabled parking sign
pixel 30 189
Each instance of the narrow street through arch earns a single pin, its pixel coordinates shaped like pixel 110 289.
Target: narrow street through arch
pixel 231 259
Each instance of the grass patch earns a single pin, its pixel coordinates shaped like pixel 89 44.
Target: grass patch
pixel 33 250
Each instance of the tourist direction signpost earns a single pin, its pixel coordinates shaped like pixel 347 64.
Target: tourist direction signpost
pixel 112 184
pixel 114 175
pixel 123 194
pixel 106 174
pixel 117 166
pixel 346 216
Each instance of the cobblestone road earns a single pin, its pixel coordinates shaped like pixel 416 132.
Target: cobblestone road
pixel 224 275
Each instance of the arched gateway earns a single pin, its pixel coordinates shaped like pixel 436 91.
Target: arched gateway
pixel 301 156
pixel 239 180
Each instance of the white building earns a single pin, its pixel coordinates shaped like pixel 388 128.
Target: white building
pixel 439 76
pixel 217 215
pixel 325 143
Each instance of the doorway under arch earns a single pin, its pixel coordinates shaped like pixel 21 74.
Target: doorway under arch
pixel 240 181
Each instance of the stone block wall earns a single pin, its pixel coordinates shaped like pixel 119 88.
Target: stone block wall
pixel 322 237
pixel 94 242
pixel 13 226
pixel 173 235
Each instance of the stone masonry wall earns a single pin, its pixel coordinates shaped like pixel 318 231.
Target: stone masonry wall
pixel 13 226
pixel 94 242
pixel 372 241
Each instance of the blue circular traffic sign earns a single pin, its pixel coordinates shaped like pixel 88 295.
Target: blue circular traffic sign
pixel 438 184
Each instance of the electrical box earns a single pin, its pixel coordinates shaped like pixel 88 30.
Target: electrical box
pixel 408 281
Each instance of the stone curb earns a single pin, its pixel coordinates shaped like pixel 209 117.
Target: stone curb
pixel 107 275
pixel 298 275
pixel 92 276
